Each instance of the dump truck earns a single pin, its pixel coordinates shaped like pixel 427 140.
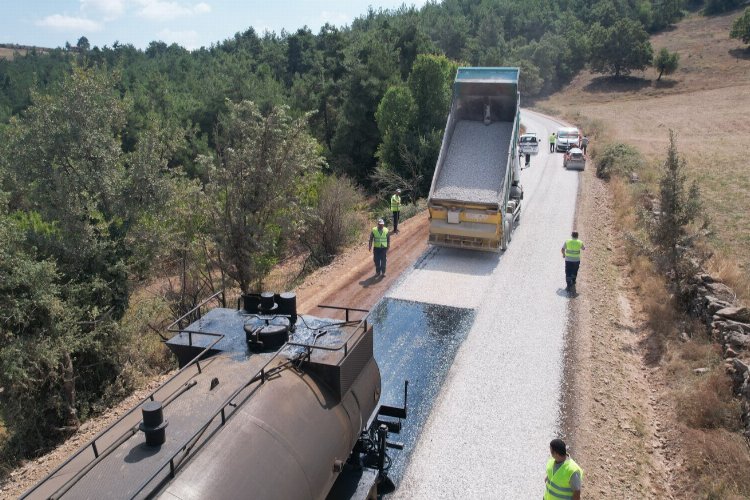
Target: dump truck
pixel 475 196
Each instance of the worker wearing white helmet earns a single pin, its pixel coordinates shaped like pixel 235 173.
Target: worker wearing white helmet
pixel 396 209
pixel 380 239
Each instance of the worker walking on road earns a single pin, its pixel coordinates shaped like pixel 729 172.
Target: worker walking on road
pixel 396 209
pixel 571 252
pixel 552 139
pixel 380 239
pixel 584 144
pixel 564 476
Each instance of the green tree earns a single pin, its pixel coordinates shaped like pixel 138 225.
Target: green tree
pixel 666 12
pixel 395 118
pixel 38 339
pixel 718 6
pixel 666 62
pixel 65 159
pixel 83 44
pixel 262 163
pixel 430 85
pixel 741 27
pixel 619 49
pixel 680 208
pixel 76 199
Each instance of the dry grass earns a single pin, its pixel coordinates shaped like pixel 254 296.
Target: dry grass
pixel 706 402
pixel 6 53
pixel 706 102
pixel 717 464
pixel 728 271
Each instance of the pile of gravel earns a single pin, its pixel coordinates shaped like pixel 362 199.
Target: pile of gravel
pixel 475 165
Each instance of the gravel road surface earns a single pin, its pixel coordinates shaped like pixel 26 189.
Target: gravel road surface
pixel 500 405
pixel 474 166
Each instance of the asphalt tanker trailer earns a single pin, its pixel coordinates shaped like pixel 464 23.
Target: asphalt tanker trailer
pixel 267 404
pixel 475 196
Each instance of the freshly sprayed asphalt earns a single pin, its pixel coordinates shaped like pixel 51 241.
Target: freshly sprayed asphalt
pixel 500 405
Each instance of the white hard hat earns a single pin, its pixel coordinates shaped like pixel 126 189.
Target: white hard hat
pixel 381 221
pixel 398 190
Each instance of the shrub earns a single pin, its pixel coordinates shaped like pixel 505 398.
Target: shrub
pixel 709 404
pixel 335 219
pixel 617 159
pixel 718 6
pixel 741 27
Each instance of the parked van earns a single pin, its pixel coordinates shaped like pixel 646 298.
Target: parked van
pixel 567 137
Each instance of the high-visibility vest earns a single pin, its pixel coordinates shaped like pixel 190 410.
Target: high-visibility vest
pixel 573 250
pixel 380 240
pixel 552 138
pixel 558 483
pixel 395 203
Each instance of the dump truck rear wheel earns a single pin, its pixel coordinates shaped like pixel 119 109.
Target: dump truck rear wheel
pixel 506 236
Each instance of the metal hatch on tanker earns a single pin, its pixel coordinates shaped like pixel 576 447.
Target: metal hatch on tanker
pixel 267 405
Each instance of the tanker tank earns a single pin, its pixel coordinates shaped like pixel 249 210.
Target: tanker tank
pixel 247 416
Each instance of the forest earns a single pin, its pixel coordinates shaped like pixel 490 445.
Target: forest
pixel 201 170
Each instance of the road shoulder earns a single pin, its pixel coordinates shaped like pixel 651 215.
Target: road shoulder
pixel 612 396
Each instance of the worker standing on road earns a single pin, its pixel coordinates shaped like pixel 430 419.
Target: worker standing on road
pixel 380 239
pixel 396 209
pixel 552 139
pixel 584 144
pixel 564 476
pixel 571 252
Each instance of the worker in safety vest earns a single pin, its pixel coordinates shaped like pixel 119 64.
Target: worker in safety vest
pixel 380 239
pixel 552 139
pixel 396 209
pixel 564 476
pixel 571 252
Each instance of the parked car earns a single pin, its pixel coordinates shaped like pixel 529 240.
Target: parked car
pixel 574 159
pixel 528 144
pixel 567 137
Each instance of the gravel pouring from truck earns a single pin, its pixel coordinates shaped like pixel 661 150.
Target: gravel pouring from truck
pixel 475 197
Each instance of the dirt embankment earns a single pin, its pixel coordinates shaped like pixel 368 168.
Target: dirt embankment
pixel 350 280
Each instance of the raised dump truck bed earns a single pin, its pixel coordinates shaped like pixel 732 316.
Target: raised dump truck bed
pixel 474 168
pixel 475 197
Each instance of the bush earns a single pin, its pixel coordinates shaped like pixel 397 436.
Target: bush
pixel 741 27
pixel 718 6
pixel 617 159
pixel 710 404
pixel 334 221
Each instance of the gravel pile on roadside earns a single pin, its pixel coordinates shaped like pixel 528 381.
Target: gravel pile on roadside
pixel 474 167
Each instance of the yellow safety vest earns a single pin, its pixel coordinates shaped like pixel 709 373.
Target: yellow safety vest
pixel 551 139
pixel 573 250
pixel 380 240
pixel 558 483
pixel 395 203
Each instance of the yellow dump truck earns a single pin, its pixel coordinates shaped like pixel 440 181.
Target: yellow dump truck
pixel 475 196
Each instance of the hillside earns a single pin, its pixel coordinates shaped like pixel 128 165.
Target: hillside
pixel 8 50
pixel 670 409
pixel 706 102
